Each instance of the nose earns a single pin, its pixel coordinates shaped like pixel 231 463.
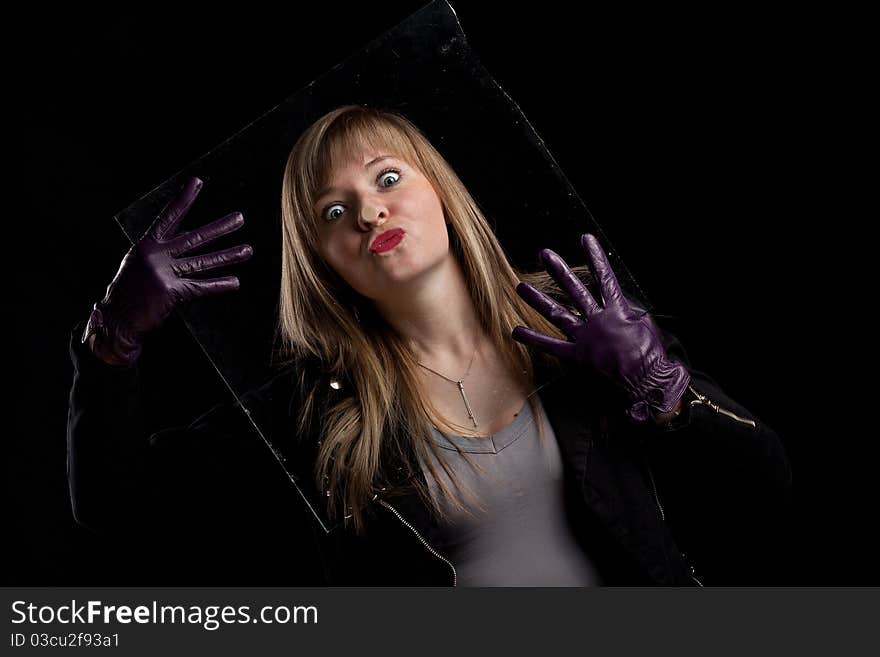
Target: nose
pixel 372 214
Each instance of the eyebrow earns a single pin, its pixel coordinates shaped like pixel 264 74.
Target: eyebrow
pixel 327 190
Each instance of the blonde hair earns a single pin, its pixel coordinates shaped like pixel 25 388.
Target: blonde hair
pixel 321 316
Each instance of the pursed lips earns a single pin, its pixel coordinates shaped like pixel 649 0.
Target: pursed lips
pixel 383 237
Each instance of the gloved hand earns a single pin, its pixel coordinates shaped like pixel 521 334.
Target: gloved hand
pixel 150 282
pixel 621 342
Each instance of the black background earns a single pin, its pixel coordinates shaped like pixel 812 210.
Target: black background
pixel 694 139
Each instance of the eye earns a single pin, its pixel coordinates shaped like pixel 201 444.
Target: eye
pixel 328 213
pixel 384 173
pixel 331 213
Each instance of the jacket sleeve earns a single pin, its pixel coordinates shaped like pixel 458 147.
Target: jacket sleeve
pixel 106 448
pixel 722 474
pixel 122 480
pixel 713 430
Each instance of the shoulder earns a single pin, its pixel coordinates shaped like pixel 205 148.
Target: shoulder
pixel 292 385
pixel 267 405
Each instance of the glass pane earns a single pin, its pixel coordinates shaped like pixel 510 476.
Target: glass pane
pixel 424 69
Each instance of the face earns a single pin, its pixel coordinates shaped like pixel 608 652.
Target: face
pixel 381 225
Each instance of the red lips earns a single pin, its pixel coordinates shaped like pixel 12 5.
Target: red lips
pixel 382 238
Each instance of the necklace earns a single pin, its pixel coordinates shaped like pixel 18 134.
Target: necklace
pixel 460 384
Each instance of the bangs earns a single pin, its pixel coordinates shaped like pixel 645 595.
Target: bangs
pixel 349 134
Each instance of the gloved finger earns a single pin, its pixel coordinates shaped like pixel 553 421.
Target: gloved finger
pixel 572 285
pixel 190 240
pixel 555 312
pixel 199 263
pixel 558 348
pixel 170 217
pixel 608 284
pixel 194 288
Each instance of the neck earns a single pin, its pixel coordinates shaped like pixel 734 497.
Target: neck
pixel 437 316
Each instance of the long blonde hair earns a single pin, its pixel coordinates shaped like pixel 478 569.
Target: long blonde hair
pixel 321 316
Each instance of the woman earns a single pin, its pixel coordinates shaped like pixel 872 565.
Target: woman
pixel 413 350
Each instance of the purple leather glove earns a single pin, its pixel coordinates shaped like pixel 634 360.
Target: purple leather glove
pixel 619 341
pixel 150 281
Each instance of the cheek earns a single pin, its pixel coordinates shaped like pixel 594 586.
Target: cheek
pixel 330 244
pixel 440 217
pixel 429 206
pixel 333 257
pixel 327 252
pixel 342 256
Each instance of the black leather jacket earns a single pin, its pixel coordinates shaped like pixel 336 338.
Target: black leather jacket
pixel 637 495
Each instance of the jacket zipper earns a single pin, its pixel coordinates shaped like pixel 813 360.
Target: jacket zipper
pixel 656 496
pixel 702 399
pixel 692 573
pixel 423 541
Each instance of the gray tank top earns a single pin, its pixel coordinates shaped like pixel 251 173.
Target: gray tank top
pixel 523 538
